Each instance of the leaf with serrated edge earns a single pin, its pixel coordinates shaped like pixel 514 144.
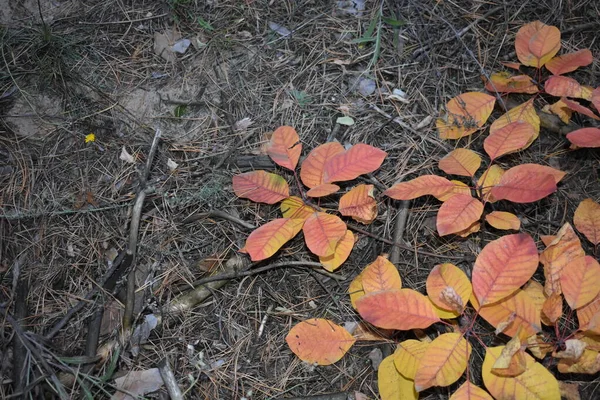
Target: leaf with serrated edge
pixel 359 203
pixel 322 233
pixel 536 43
pixel 458 213
pixel 444 361
pixel 284 147
pixel 465 114
pixel 503 220
pixel 585 137
pixel 407 357
pixel 463 162
pixel 261 186
pixel 319 341
pixel 423 185
pixel 563 86
pixel 264 241
pixel 401 309
pixel 444 276
pixel 503 82
pixel 569 62
pixel 517 312
pixel 342 251
pixel 358 160
pixel 535 383
pixel 503 266
pixel 587 220
pixel 580 281
pixel 293 207
pixel 313 167
pixel 527 183
pixel 469 391
pixel 508 139
pixel 380 275
pixel 323 190
pixel 392 385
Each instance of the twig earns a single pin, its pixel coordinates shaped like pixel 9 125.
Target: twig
pixel 458 34
pixel 218 214
pixel 402 246
pixel 399 226
pixel 247 136
pixel 19 350
pixel 133 235
pixel 168 378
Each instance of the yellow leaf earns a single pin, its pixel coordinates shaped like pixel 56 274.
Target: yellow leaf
pixel 293 207
pixel 511 361
pixel 342 251
pixel 465 114
pixel 463 162
pixel 503 220
pixel 535 383
pixel 356 290
pixel 522 113
pixel 444 277
pixel 468 391
pixel 407 357
pixel 380 275
pixel 392 385
pixel 90 138
pixel 444 361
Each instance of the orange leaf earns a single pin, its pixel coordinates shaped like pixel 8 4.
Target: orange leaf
pixel 503 266
pixel 587 220
pixel 444 314
pixel 516 314
pixel 448 287
pixel 293 207
pixel 511 65
pixel 463 162
pixel 577 107
pixel 261 186
pixel 535 290
pixel 458 213
pixel 585 137
pixel 489 179
pixel 323 190
pixel 312 171
pixel 401 309
pixel 319 341
pixel 569 62
pixel 359 203
pixel 563 86
pixel 503 82
pixel 342 251
pixel 565 248
pixel 588 363
pixel 392 385
pixel 469 391
pixel 536 43
pixel 535 383
pixel 511 361
pixel 264 241
pixel 586 314
pixel 367 333
pixel 527 183
pixel 537 346
pixel 580 281
pixel 444 361
pixel 552 308
pixel 358 160
pixel 459 188
pixel 408 355
pixel 503 220
pixel 322 233
pixel 524 113
pixel 356 290
pixel 380 275
pixel 476 227
pixel 510 138
pixel 421 186
pixel 285 147
pixel 465 114
pixel 559 109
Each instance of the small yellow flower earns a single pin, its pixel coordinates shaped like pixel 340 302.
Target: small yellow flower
pixel 90 138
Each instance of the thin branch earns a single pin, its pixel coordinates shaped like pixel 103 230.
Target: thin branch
pixel 218 214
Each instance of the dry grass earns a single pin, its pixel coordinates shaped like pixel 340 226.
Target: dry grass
pixel 65 203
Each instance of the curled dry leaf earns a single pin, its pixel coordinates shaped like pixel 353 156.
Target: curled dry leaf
pixel 359 203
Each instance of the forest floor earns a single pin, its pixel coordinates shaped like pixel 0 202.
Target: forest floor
pixel 70 69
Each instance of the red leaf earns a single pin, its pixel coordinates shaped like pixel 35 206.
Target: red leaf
pixel 503 266
pixel 458 213
pixel 536 43
pixel 525 183
pixel 575 106
pixel 322 233
pixel 569 62
pixel 359 203
pixel 285 147
pixel 358 160
pixel 323 190
pixel 261 186
pixel 508 139
pixel 585 137
pixel 563 86
pixel 313 167
pixel 421 186
pixel 264 241
pixel 401 309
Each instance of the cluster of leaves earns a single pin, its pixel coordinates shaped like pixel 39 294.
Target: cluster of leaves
pixel 502 292
pixel 326 235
